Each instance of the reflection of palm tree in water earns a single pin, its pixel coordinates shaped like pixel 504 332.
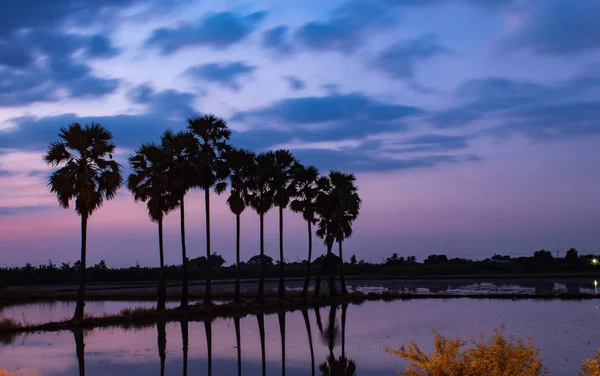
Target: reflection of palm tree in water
pixel 238 341
pixel 162 344
pixel 281 316
pixel 185 340
pixel 310 342
pixel 208 329
pixel 261 330
pixel 341 366
pixel 79 349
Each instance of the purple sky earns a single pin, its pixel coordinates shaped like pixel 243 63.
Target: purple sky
pixel 472 126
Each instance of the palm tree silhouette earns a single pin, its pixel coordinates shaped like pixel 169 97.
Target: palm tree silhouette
pixel 236 322
pixel 208 329
pixel 87 177
pixel 261 200
pixel 345 210
pixel 212 135
pixel 162 344
pixel 310 341
pixel 181 151
pixel 260 317
pixel 241 166
pixel 149 183
pixel 283 191
pixel 185 339
pixel 305 180
pixel 78 335
pixel 281 317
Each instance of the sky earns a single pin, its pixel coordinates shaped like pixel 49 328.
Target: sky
pixel 473 126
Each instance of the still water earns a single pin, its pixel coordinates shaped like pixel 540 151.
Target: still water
pixel 566 332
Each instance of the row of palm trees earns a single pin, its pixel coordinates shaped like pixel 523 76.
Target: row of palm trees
pixel 201 157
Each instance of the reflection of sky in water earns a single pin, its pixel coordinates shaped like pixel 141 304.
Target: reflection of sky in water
pixel 565 331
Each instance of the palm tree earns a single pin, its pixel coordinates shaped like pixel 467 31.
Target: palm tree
pixel 185 340
pixel 181 151
pixel 281 317
pixel 261 200
pixel 305 180
pixel 149 183
pixel 212 135
pixel 260 317
pixel 241 167
pixel 236 322
pixel 345 209
pixel 341 366
pixel 87 177
pixel 283 191
pixel 323 208
pixel 208 330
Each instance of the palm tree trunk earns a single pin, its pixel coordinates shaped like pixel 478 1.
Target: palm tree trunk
pixel 281 264
pixel 261 280
pixel 162 288
pixel 184 291
pixel 208 292
pixel 282 333
pixel 307 278
pixel 208 329
pixel 79 349
pixel 344 309
pixel 78 316
pixel 237 258
pixel 261 331
pixel 330 270
pixel 238 341
pixel 162 344
pixel 342 280
pixel 185 340
pixel 310 341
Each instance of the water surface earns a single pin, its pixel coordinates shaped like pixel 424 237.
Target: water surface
pixel 565 331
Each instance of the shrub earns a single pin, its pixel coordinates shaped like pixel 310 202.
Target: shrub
pixel 591 367
pixel 498 356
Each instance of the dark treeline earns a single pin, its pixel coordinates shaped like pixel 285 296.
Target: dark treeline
pixel 541 262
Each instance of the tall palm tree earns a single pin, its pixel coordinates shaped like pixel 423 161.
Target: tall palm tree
pixel 212 135
pixel 149 183
pixel 87 177
pixel 181 151
pixel 238 342
pixel 305 180
pixel 78 334
pixel 281 317
pixel 345 209
pixel 185 340
pixel 260 317
pixel 241 168
pixel 283 191
pixel 208 330
pixel 341 366
pixel 323 208
pixel 261 200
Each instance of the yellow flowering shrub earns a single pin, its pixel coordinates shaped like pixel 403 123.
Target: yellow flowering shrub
pixel 4 372
pixel 497 356
pixel 591 367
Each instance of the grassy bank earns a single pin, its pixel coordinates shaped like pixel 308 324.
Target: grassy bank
pixel 143 316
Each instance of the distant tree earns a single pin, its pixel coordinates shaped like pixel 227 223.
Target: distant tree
pixel 101 265
pixel 88 177
pixel 216 261
pixel 411 260
pixel 260 260
pixel 571 254
pixel 353 260
pixel 436 259
pixel 543 255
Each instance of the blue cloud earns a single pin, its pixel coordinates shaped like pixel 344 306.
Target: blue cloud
pixel 217 30
pixel 99 46
pixel 276 39
pixel 12 210
pixel 226 74
pixel 344 30
pixel 399 59
pixel 559 27
pixel 334 107
pixel 295 83
pixel 6 173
